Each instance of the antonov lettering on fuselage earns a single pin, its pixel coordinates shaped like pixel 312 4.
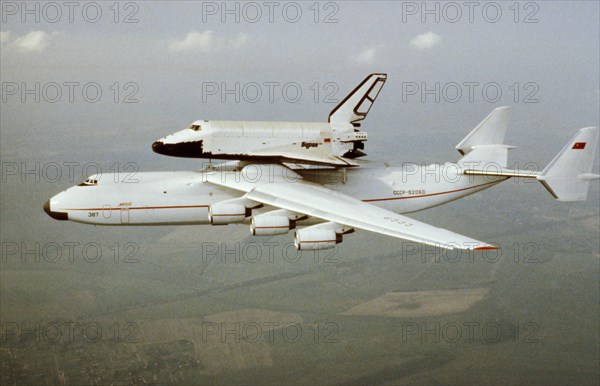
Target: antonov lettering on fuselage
pixel 269 191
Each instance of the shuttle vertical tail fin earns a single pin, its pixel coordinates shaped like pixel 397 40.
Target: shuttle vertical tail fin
pixel 355 107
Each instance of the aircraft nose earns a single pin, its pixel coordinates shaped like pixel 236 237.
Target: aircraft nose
pixel 54 215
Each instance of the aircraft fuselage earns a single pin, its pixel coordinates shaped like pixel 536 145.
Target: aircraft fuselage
pixel 179 198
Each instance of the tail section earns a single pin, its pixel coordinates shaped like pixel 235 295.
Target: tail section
pixel 355 107
pixel 485 143
pixel 568 176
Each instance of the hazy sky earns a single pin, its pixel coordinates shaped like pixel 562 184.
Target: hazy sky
pixel 543 58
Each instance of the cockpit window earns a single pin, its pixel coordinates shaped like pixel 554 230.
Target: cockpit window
pixel 89 182
pixel 195 127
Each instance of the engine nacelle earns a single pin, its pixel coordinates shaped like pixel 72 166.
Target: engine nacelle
pixel 227 212
pixel 312 239
pixel 271 224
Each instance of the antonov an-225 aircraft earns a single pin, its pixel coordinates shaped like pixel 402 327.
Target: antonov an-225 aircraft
pixel 272 193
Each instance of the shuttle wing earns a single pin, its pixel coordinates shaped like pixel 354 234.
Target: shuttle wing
pixel 287 190
pixel 308 158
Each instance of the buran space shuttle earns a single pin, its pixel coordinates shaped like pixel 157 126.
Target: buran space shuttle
pixel 336 142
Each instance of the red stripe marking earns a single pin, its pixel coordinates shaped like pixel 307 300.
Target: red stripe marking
pixel 433 194
pixel 142 207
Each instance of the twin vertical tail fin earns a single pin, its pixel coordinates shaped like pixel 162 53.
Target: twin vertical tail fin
pixel 485 143
pixel 490 131
pixel 567 177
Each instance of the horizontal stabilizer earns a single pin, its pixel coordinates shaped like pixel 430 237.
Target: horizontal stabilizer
pixel 589 177
pixel 501 172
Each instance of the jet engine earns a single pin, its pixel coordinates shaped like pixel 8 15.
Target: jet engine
pixel 230 211
pixel 320 236
pixel 276 222
pixel 312 239
pixel 270 225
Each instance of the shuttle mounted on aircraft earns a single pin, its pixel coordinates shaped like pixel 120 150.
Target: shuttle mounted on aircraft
pixel 333 143
pixel 269 191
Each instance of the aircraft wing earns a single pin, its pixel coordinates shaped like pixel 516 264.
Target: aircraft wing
pixel 300 196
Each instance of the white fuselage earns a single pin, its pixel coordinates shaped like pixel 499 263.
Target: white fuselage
pixel 311 142
pixel 178 198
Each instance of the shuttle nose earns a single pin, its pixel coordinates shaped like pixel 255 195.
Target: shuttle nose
pixel 158 147
pixel 54 215
pixel 188 149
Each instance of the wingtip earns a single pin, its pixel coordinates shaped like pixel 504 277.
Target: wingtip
pixel 487 247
